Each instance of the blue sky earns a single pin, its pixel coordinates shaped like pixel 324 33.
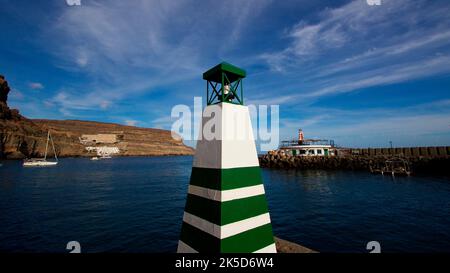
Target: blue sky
pixel 361 75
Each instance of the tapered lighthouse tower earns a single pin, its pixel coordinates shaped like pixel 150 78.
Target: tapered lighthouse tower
pixel 226 209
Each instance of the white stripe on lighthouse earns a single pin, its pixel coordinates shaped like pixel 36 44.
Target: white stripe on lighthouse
pixel 244 225
pixel 229 230
pixel 235 138
pixel 268 249
pixel 202 224
pixel 228 195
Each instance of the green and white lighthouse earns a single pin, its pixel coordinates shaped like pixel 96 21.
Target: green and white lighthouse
pixel 226 209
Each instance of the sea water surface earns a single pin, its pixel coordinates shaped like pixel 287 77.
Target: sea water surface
pixel 136 205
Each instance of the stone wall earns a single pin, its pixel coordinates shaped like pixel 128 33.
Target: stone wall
pixel 419 164
pixel 406 151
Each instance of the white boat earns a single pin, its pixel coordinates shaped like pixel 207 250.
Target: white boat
pixel 38 162
pixel 94 158
pixel 42 162
pixel 104 155
pixel 308 147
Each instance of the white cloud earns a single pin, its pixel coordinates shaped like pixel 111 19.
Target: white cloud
pixel 391 73
pixel 306 122
pixel 421 124
pixel 36 85
pixel 377 56
pixel 357 46
pixel 385 75
pixel 67 100
pixel 335 29
pixel 104 104
pixel 82 59
pixel 163 122
pixel 272 100
pixel 406 130
pixel 15 95
pixel 131 122
pixel 125 50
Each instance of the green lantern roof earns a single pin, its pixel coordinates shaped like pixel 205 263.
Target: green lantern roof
pixel 232 72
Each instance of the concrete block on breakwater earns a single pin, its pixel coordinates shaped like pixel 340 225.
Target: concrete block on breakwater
pixel 406 151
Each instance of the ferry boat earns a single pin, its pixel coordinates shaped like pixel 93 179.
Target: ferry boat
pixel 308 147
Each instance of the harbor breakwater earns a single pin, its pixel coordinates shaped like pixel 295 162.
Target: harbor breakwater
pixel 421 160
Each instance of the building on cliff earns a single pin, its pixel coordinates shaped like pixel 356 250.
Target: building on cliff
pixel 104 151
pixel 99 139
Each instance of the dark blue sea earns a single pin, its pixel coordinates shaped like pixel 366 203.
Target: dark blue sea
pixel 136 205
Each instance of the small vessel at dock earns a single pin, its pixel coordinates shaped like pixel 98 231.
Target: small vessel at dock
pixel 308 147
pixel 42 162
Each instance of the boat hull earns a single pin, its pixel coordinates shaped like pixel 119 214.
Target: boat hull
pixel 39 164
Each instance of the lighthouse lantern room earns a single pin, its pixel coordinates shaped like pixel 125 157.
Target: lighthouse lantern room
pixel 224 84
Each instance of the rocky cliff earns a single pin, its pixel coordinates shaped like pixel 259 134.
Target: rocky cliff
pixel 21 137
pixel 132 141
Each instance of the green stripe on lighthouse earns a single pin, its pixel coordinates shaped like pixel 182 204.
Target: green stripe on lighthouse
pixel 249 241
pixel 246 242
pixel 226 179
pixel 199 240
pixel 222 213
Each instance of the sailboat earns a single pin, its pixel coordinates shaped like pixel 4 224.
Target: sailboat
pixel 42 162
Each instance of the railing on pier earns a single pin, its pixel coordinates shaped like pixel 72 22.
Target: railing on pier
pixel 394 166
pixel 288 143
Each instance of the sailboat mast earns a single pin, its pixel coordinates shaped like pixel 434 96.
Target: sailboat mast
pixel 46 146
pixel 53 144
